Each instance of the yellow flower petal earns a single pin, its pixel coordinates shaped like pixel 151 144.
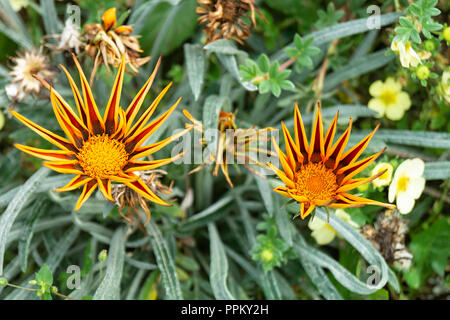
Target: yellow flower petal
pixel 324 235
pixel 378 106
pixel 376 88
pixel 394 112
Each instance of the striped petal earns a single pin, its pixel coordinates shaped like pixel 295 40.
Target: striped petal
pixel 64 166
pixel 150 149
pixel 77 97
pixel 105 187
pixel 316 150
pixel 78 181
pixel 46 134
pixel 140 187
pixel 288 182
pixel 87 191
pixel 293 155
pixel 136 104
pixel 300 134
pixel 332 157
pixel 149 165
pixel 364 201
pixel 140 136
pixel 111 112
pixel 52 155
pixel 147 114
pixel 329 136
pixel 283 160
pixel 346 173
pixel 283 191
pixel 353 183
pixel 351 155
pixel 72 132
pixel 304 213
pixel 95 122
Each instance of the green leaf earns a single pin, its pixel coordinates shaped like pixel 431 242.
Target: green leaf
pixel 45 275
pixel 15 206
pixel 437 170
pixel 219 266
pixel 211 111
pixel 356 68
pixel 165 263
pixel 109 288
pixel 431 249
pixel 195 64
pixel 165 25
pixel 25 240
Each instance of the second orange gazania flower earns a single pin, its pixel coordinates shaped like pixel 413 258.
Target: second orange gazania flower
pixel 320 173
pixel 99 149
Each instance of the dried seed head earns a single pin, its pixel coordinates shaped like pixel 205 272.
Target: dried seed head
pixel 223 18
pixel 127 197
pixel 26 66
pixel 388 237
pixel 106 44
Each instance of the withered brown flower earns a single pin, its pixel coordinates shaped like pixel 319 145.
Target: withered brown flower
pixel 26 66
pixel 234 145
pixel 111 42
pixel 127 197
pixel 388 237
pixel 224 18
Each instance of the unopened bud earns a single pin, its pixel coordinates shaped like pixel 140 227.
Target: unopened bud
pixel 3 282
pixel 103 255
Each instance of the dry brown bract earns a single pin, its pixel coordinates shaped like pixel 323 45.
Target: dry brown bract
pixel 26 66
pixel 111 42
pixel 127 197
pixel 223 18
pixel 388 237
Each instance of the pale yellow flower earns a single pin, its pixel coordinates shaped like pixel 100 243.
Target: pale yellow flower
pixel 2 120
pixel 386 177
pixel 408 57
pixel 444 88
pixel 17 5
pixel 322 232
pixel 389 99
pixel 407 185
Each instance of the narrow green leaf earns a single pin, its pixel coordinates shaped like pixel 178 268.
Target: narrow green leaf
pixel 109 288
pixel 195 63
pixel 15 206
pixel 437 170
pixel 219 266
pixel 165 263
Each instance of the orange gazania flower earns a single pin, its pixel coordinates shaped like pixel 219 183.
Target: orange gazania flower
pixel 100 150
pixel 320 173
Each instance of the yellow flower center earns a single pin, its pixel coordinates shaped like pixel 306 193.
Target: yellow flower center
pixel 101 156
pixel 402 184
pixel 315 182
pixel 388 97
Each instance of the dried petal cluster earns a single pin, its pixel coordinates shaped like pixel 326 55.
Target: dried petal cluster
pixel 234 145
pixel 110 42
pixel 127 197
pixel 224 18
pixel 26 66
pixel 388 237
